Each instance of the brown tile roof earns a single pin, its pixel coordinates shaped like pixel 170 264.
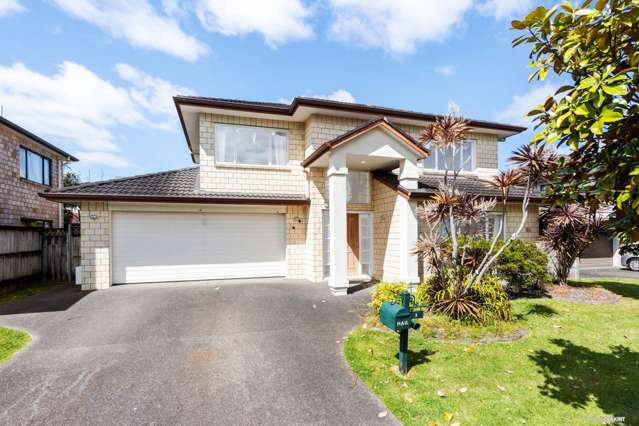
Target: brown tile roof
pixel 429 184
pixel 180 185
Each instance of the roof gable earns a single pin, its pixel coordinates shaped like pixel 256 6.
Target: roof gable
pixel 381 123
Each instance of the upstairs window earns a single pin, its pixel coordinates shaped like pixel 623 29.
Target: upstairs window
pixel 463 158
pixel 251 145
pixel 34 167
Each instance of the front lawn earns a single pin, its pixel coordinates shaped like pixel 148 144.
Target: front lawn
pixel 576 363
pixel 11 341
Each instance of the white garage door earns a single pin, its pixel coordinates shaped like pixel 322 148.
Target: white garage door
pixel 153 247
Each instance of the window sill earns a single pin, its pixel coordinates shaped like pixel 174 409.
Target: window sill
pixel 35 183
pixel 252 166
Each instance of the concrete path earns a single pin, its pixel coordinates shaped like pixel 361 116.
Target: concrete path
pixel 250 352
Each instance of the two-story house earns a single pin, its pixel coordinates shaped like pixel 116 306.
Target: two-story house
pixel 317 190
pixel 28 166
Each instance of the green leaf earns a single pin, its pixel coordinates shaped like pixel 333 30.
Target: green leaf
pixel 564 89
pixel 582 110
pixel 597 127
pixel 601 4
pixel 542 73
pixel 619 90
pixel 518 25
pixel 622 198
pixel 635 172
pixel 587 83
pixel 609 115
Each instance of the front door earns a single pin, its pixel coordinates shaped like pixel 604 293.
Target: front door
pixel 352 240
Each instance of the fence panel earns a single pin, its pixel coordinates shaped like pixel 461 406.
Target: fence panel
pixel 20 252
pixel 52 253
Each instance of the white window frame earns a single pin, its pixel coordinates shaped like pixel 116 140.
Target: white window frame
pixel 219 159
pixel 362 238
pixel 473 161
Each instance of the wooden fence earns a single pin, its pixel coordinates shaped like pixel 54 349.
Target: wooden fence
pixel 51 253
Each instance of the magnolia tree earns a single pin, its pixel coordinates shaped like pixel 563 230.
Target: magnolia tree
pixel 450 217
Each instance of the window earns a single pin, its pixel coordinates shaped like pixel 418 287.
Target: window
pixel 35 167
pixel 326 248
pixel 366 243
pixel 358 187
pixel 251 145
pixel 464 158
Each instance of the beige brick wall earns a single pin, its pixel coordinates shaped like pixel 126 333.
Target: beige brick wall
pixel 95 245
pixel 531 226
pixel 19 197
pixel 218 177
pixel 386 233
pixel 316 191
pixel 296 231
pixel 322 128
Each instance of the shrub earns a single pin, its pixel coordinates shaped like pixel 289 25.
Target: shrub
pixel 485 303
pixel 385 292
pixel 524 267
pixel 522 264
pixel 494 299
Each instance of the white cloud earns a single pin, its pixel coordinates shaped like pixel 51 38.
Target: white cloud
pixel 278 21
pixel 396 26
pixel 445 70
pixel 340 95
pixel 139 23
pixel 502 9
pixel 153 94
pixel 76 105
pixel 10 7
pixel 521 104
pixel 97 157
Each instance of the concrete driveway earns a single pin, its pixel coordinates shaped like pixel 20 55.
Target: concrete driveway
pixel 251 352
pixel 608 273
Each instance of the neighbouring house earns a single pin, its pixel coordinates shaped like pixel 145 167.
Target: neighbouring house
pixel 317 190
pixel 28 166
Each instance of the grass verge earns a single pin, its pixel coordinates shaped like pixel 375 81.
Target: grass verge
pixel 577 364
pixel 11 341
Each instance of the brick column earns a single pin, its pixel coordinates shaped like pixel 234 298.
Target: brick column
pixel 95 245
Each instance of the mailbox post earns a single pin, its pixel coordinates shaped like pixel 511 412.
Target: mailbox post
pixel 400 318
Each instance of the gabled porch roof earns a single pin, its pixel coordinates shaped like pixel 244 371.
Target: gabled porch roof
pixel 381 122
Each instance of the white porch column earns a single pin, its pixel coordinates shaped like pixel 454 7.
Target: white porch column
pixel 408 177
pixel 337 190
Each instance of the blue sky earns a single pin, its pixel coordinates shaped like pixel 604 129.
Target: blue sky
pixel 96 77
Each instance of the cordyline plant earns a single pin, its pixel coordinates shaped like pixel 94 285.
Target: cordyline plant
pixel 568 230
pixel 457 212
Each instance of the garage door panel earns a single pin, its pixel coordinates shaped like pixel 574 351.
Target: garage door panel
pixel 149 247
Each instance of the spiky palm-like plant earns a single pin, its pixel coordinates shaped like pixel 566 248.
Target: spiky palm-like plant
pixel 569 230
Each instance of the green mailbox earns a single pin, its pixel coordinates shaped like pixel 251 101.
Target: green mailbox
pixel 401 318
pixel 395 316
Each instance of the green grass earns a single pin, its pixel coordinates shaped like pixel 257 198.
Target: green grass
pixel 11 341
pixel 28 290
pixel 576 363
